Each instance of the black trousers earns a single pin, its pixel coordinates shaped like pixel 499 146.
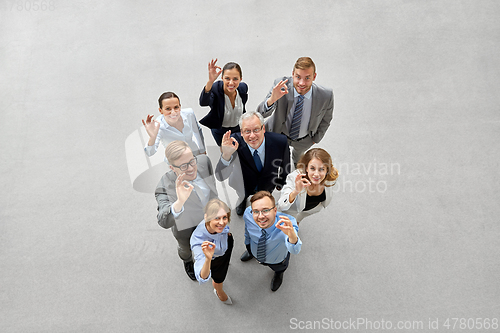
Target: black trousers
pixel 220 265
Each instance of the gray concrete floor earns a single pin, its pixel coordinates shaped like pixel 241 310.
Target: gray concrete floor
pixel 412 234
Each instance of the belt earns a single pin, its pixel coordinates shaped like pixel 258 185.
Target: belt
pixel 289 138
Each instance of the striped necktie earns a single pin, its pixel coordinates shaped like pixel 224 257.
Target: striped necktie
pixel 297 116
pixel 261 247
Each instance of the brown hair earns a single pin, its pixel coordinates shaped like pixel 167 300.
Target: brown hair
pixel 305 63
pixel 167 95
pixel 322 155
pixel 213 207
pixel 231 65
pixel 262 194
pixel 174 150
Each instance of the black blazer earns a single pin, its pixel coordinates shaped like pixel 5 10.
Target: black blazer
pixel 215 100
pixel 275 169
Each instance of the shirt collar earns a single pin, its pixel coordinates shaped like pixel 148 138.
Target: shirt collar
pixel 261 150
pixel 307 95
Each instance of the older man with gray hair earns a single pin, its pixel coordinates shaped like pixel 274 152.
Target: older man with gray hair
pixel 182 194
pixel 253 159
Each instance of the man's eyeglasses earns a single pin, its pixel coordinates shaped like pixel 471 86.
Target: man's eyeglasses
pixel 255 131
pixel 185 166
pixel 264 212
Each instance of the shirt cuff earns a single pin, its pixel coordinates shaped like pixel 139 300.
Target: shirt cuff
pixel 174 214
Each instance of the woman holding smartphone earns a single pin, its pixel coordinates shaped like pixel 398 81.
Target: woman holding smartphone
pixel 226 99
pixel 212 245
pixel 309 188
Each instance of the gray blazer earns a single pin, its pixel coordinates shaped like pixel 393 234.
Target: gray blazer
pixel 321 110
pixel 193 208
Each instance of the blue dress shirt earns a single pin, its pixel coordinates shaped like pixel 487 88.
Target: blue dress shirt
pixel 201 234
pixel 277 244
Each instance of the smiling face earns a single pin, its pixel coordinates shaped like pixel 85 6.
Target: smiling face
pixel 251 125
pixel 171 110
pixel 303 79
pixel 191 171
pixel 264 220
pixel 218 223
pixel 316 171
pixel 231 78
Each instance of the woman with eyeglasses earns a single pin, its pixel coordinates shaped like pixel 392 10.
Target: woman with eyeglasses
pixel 309 188
pixel 226 99
pixel 173 124
pixel 212 245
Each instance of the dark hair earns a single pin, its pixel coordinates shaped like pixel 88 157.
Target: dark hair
pixel 231 65
pixel 167 95
pixel 262 194
pixel 323 156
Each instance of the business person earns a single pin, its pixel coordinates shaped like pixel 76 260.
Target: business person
pixel 174 124
pixel 226 99
pixel 270 236
pixel 182 194
pixel 212 244
pixel 309 188
pixel 253 159
pixel 300 109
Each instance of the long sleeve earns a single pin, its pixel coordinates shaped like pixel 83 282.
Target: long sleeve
pixel 284 203
pixel 165 218
pixel 325 121
pixel 151 150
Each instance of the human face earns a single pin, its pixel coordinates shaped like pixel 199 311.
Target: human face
pixel 231 79
pixel 171 110
pixel 316 171
pixel 253 139
pixel 303 79
pixel 218 223
pixel 264 221
pixel 191 171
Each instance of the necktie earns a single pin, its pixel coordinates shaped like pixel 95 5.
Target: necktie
pixel 256 159
pixel 297 116
pixel 261 247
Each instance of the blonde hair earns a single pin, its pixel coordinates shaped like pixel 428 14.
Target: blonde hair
pixel 174 150
pixel 212 209
pixel 305 63
pixel 322 155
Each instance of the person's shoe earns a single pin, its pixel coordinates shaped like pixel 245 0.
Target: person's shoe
pixel 228 301
pixel 276 282
pixel 189 268
pixel 246 256
pixel 240 209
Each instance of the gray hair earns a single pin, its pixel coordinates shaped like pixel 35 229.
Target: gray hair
pixel 174 150
pixel 250 114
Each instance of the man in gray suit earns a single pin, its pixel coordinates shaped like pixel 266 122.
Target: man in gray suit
pixel 305 113
pixel 182 194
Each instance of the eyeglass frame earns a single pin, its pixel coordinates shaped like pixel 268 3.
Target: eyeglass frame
pixel 255 131
pixel 185 166
pixel 262 211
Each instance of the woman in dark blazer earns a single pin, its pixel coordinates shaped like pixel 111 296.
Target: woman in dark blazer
pixel 226 99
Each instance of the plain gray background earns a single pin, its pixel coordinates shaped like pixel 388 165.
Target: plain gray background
pixel 416 86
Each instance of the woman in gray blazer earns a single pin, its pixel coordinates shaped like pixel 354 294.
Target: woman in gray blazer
pixel 309 188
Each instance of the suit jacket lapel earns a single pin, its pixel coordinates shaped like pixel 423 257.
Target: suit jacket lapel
pixel 314 111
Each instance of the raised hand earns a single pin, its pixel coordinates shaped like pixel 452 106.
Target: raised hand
pixel 229 145
pixel 152 126
pixel 286 226
pixel 301 182
pixel 208 249
pixel 183 189
pixel 278 91
pixel 213 71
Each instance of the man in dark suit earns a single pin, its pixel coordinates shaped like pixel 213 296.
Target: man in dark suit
pixel 254 159
pixel 182 194
pixel 305 113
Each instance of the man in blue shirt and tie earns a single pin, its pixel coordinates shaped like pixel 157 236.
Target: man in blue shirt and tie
pixel 253 160
pixel 270 236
